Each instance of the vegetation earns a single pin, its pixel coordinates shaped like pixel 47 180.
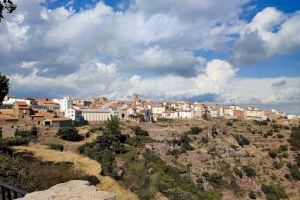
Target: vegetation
pixel 272 153
pixel 22 169
pixel 294 172
pixel 249 171
pixel 229 123
pixel 241 140
pixel 6 5
pixel 194 131
pixel 252 195
pixel 273 192
pixel 138 131
pixel 69 134
pixel 56 146
pixel 295 138
pixel 4 81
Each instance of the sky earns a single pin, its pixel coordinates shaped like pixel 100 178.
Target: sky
pixel 243 51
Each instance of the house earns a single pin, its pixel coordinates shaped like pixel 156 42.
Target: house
pixel 45 105
pixel 157 110
pixel 74 114
pixel 170 114
pixel 57 122
pixel 255 114
pixel 65 103
pixel 186 114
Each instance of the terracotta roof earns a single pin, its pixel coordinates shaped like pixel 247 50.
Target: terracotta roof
pixel 21 103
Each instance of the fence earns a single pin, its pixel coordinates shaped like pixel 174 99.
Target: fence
pixel 9 192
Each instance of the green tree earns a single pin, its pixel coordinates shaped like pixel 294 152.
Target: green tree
pixel 112 127
pixel 4 83
pixel 7 5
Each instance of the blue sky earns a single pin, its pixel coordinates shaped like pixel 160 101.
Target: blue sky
pixel 241 51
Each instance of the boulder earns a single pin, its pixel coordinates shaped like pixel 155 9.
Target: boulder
pixel 72 190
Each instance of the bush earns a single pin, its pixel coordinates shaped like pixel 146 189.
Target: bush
pixel 272 154
pixel 229 123
pixel 273 192
pixel 249 171
pixel 282 148
pixel 17 141
pixel 294 139
pixel 138 131
pixel 280 136
pixel 138 141
pixel 252 195
pixel 56 146
pixel 215 179
pixel 297 159
pixel 241 140
pixel 294 171
pixel 277 165
pixel 204 140
pixel 30 174
pixel 238 172
pixel 195 130
pixel 69 134
pixel 30 134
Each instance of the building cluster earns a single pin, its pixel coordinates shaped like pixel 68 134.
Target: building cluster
pixel 65 111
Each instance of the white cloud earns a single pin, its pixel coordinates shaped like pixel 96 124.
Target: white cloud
pixel 270 32
pixel 71 50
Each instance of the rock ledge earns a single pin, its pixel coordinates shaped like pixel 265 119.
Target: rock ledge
pixel 72 190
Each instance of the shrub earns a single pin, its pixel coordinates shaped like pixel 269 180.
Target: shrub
pixel 195 130
pixel 69 134
pixel 229 123
pixel 241 140
pixel 273 192
pixel 280 136
pixel 56 146
pixel 282 148
pixel 277 165
pixel 27 134
pixel 22 169
pixel 297 159
pixel 215 179
pixel 139 141
pixel 294 171
pixel 17 141
pixel 294 139
pixel 272 154
pixel 238 172
pixel 138 131
pixel 249 171
pixel 252 195
pixel 204 140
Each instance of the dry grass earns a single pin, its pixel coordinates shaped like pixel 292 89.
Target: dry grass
pixel 85 164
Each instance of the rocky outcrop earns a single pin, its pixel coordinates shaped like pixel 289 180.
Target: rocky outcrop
pixel 72 190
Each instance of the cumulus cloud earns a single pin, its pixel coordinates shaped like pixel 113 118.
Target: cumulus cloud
pixel 269 33
pixel 100 50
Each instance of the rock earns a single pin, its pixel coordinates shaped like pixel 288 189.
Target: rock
pixel 72 190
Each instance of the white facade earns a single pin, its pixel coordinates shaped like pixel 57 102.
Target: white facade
pixel 170 115
pixel 75 115
pixel 255 114
pixel 94 115
pixel 65 103
pixel 158 110
pixel 186 114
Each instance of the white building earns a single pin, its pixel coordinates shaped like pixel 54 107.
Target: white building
pixel 74 114
pixel 255 114
pixel 158 110
pixel 186 114
pixel 65 103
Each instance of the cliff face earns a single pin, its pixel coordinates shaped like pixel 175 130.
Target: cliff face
pixel 72 190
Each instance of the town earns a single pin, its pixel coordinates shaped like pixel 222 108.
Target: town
pixel 63 112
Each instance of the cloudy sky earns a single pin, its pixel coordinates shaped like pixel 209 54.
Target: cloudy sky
pixel 242 51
